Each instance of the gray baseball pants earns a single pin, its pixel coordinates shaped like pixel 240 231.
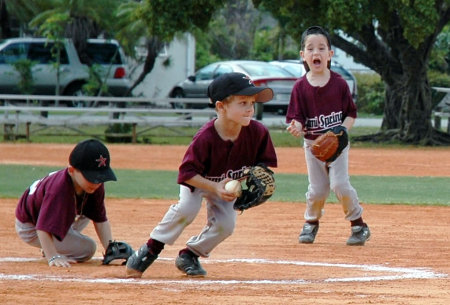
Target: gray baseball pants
pixel 221 220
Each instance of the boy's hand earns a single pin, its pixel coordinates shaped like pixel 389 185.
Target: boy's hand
pixel 295 129
pixel 60 261
pixel 223 193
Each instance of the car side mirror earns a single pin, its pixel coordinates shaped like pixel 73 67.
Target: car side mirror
pixel 191 78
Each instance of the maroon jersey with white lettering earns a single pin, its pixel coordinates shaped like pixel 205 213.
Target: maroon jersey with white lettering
pixel 320 108
pixel 215 159
pixel 51 204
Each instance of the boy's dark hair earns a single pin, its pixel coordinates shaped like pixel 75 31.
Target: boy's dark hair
pixel 315 30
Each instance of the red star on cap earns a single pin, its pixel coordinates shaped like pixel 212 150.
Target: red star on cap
pixel 101 161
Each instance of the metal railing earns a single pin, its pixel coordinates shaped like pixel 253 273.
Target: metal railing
pixel 30 109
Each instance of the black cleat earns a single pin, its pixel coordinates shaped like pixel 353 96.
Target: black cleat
pixel 190 265
pixel 139 261
pixel 360 234
pixel 308 233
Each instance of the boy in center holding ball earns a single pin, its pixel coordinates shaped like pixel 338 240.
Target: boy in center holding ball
pixel 220 152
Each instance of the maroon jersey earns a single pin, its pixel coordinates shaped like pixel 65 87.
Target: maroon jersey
pixel 320 108
pixel 215 159
pixel 51 204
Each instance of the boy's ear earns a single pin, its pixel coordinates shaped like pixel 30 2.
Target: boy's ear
pixel 71 169
pixel 219 105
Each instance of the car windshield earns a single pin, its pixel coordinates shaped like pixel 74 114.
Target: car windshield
pixel 342 72
pixel 295 69
pixel 254 69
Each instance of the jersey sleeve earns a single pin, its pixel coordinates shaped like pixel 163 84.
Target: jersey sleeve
pixel 349 104
pixel 193 162
pixel 197 156
pixel 295 110
pixel 266 150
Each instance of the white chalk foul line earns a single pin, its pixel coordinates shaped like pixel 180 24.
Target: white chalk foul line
pixel 398 273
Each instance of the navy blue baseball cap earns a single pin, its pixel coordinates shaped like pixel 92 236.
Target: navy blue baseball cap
pixel 236 83
pixel 91 158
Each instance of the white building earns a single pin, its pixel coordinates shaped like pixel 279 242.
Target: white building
pixel 180 56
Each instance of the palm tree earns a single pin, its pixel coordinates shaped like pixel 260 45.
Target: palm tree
pixel 22 11
pixel 84 19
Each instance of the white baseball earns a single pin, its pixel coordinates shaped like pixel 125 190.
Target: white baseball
pixel 234 187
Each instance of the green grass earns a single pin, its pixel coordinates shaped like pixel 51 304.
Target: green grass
pixel 14 179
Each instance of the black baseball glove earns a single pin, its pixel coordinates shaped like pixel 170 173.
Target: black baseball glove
pixel 342 136
pixel 117 250
pixel 260 184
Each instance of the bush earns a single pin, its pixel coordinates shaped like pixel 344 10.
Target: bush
pixel 118 133
pixel 371 93
pixel 24 68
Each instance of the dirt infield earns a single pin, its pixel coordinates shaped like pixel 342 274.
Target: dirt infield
pixel 377 162
pixel 407 260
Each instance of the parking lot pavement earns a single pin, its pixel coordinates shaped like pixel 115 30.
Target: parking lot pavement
pixel 368 122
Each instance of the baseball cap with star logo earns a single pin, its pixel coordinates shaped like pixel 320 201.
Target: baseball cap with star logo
pixel 235 83
pixel 91 158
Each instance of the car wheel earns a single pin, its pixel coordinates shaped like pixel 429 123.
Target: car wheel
pixel 282 111
pixel 76 90
pixel 259 108
pixel 178 93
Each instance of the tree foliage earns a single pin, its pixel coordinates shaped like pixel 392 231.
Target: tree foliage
pixel 440 55
pixel 165 19
pixel 79 20
pixel 393 38
pixel 232 30
pixel 159 21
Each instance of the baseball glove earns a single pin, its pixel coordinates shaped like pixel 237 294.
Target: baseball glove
pixel 260 184
pixel 117 250
pixel 328 146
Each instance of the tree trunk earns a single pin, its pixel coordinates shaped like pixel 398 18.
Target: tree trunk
pixel 154 46
pixel 415 110
pixel 407 113
pixel 391 105
pixel 5 27
pixel 408 109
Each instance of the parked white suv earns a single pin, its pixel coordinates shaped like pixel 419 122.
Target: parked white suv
pixel 107 54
